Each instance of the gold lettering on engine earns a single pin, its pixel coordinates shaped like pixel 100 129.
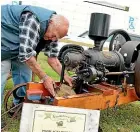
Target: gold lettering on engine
pixel 107 54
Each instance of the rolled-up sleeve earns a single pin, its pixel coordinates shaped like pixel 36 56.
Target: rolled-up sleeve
pixel 51 50
pixel 29 29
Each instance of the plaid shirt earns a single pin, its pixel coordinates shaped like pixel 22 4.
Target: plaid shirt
pixel 29 28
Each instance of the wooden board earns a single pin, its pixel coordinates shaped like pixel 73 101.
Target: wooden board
pixel 97 101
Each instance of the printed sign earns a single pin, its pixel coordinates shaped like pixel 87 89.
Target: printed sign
pixel 131 23
pixel 45 118
pixel 45 121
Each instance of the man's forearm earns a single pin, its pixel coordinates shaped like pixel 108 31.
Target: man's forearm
pixel 35 67
pixel 55 64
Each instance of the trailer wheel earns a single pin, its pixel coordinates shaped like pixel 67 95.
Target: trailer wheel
pixel 8 101
pixel 117 36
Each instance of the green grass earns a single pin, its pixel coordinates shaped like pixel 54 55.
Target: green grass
pixel 125 119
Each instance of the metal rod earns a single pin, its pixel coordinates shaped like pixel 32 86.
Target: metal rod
pixel 12 108
pixel 119 73
pixel 62 73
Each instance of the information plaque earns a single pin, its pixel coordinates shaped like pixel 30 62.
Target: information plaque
pixel 45 118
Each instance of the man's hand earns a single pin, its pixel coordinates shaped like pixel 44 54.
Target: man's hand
pixel 49 85
pixel 47 81
pixel 68 79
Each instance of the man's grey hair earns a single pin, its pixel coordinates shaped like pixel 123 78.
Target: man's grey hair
pixel 59 20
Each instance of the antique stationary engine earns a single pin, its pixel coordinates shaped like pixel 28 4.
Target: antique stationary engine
pixel 95 65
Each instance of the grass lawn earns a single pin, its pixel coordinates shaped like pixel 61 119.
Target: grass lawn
pixel 125 119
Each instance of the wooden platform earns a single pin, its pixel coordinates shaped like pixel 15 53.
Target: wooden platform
pixel 102 96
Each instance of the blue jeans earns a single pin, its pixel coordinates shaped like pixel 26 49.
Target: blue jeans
pixel 21 73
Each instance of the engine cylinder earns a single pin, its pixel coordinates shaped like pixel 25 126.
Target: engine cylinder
pixel 111 60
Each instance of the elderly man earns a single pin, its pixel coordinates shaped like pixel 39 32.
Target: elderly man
pixel 25 31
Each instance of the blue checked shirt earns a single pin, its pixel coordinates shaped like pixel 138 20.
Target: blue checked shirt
pixel 29 28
